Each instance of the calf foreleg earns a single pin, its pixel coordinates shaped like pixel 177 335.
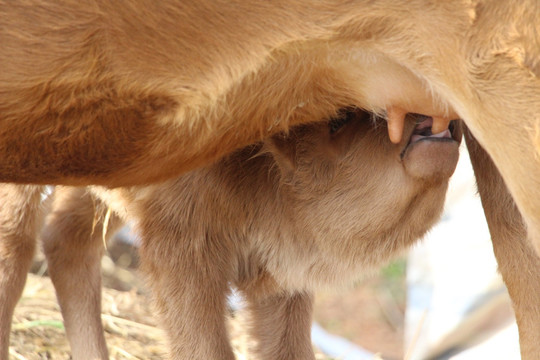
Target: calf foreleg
pixel 73 245
pixel 282 326
pixel 189 282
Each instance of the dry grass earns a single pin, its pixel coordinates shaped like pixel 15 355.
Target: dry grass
pixel 38 332
pixel 130 329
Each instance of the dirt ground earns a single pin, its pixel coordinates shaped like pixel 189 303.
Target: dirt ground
pixel 370 315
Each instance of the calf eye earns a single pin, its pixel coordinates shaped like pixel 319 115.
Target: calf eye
pixel 344 117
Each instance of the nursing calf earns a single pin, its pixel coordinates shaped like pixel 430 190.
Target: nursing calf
pixel 279 219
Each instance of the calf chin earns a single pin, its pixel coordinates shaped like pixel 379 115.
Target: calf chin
pixel 431 160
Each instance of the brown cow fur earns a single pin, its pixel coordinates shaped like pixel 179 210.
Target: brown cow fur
pixel 518 263
pixel 309 210
pixel 110 92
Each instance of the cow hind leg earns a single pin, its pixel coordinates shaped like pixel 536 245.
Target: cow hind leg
pixel 518 262
pixel 20 220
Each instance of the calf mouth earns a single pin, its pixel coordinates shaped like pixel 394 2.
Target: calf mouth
pixel 423 132
pixel 427 157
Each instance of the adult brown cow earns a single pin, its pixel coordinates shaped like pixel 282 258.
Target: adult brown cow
pixel 121 93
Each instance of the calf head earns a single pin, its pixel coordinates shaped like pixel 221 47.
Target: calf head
pixel 357 196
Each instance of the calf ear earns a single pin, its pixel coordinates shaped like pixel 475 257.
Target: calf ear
pixel 283 149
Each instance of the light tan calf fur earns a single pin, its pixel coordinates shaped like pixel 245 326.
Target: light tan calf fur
pixel 309 210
